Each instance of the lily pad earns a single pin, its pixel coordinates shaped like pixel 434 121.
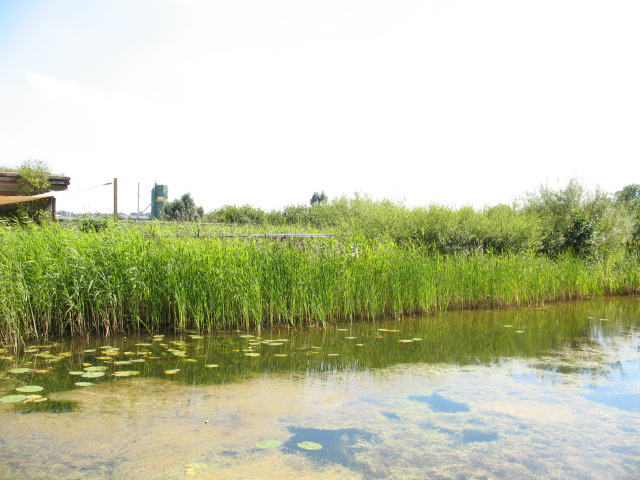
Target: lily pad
pixel 252 354
pixel 90 350
pixel 196 337
pixel 30 388
pixel 172 371
pixel 93 374
pixel 13 398
pixel 54 358
pixel 125 373
pixel 310 446
pixel 20 370
pixel 212 365
pixel 77 373
pixel 268 444
pixel 275 344
pixel 99 368
pixel 84 384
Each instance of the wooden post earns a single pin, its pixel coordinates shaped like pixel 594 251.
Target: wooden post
pixel 138 211
pixel 115 198
pixel 53 208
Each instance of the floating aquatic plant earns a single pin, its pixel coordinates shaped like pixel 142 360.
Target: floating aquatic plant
pixel 13 398
pixel 268 444
pixel 30 389
pixel 20 370
pixel 309 446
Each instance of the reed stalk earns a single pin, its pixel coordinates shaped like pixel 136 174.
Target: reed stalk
pixel 57 281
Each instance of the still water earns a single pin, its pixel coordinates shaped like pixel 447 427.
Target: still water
pixel 535 393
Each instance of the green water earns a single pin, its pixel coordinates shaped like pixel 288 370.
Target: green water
pixel 529 393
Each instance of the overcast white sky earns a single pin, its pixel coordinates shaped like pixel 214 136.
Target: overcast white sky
pixel 263 102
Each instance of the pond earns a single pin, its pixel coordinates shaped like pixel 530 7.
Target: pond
pixel 530 393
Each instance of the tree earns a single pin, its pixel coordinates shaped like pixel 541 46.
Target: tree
pixel 629 199
pixel 629 195
pixel 578 237
pixel 577 220
pixel 183 209
pixel 318 198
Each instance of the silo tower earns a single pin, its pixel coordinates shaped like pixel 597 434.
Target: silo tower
pixel 159 196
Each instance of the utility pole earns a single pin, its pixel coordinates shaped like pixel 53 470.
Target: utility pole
pixel 115 198
pixel 138 211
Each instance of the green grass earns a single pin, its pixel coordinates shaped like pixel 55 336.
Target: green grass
pixel 56 280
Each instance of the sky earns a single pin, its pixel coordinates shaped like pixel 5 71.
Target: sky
pixel 452 102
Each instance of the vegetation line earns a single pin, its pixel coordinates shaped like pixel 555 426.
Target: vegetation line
pixel 344 260
pixel 56 280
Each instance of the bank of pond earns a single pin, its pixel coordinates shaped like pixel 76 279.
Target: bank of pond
pixel 59 281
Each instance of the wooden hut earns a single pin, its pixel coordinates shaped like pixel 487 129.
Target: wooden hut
pixel 9 186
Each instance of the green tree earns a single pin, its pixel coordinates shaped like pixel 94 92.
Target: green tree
pixel 575 219
pixel 183 209
pixel 629 199
pixel 578 237
pixel 629 195
pixel 318 198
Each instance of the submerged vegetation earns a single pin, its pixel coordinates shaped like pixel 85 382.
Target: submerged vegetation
pixel 382 259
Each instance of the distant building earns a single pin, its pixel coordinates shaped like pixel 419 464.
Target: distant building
pixel 159 196
pixel 10 184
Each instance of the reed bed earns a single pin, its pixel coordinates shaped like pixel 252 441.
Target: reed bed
pixel 56 281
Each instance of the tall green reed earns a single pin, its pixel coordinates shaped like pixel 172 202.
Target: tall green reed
pixel 56 280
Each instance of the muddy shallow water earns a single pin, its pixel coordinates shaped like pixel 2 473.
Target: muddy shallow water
pixel 521 394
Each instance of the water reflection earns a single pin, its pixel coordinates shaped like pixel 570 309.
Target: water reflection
pixel 440 404
pixel 462 395
pixel 464 338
